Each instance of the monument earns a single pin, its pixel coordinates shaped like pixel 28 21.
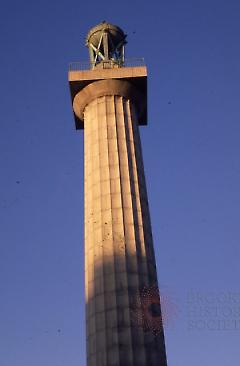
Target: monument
pixel 109 97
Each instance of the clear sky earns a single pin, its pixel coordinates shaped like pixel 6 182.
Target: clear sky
pixel 191 153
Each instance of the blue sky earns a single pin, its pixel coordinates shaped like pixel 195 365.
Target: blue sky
pixel 191 153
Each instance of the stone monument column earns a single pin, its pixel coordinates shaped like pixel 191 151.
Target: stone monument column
pixel 124 323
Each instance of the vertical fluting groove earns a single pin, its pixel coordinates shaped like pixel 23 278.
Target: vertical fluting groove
pixel 132 187
pixel 93 121
pixel 139 217
pixel 139 351
pixel 86 226
pixel 135 183
pixel 101 332
pixel 137 335
pixel 156 349
pixel 118 239
pixel 101 125
pixel 103 145
pixel 134 197
pixel 87 143
pixel 93 216
pixel 86 167
pixel 111 350
pixel 147 227
pixel 90 248
pixel 143 268
pixel 95 188
pixel 119 118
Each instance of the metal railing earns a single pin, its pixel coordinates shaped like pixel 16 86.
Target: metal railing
pixel 131 62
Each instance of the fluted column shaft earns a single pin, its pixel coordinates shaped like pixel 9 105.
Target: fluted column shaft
pixel 119 255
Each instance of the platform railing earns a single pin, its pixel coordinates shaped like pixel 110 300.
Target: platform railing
pixel 131 62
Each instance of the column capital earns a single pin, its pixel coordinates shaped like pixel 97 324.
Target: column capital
pixel 102 88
